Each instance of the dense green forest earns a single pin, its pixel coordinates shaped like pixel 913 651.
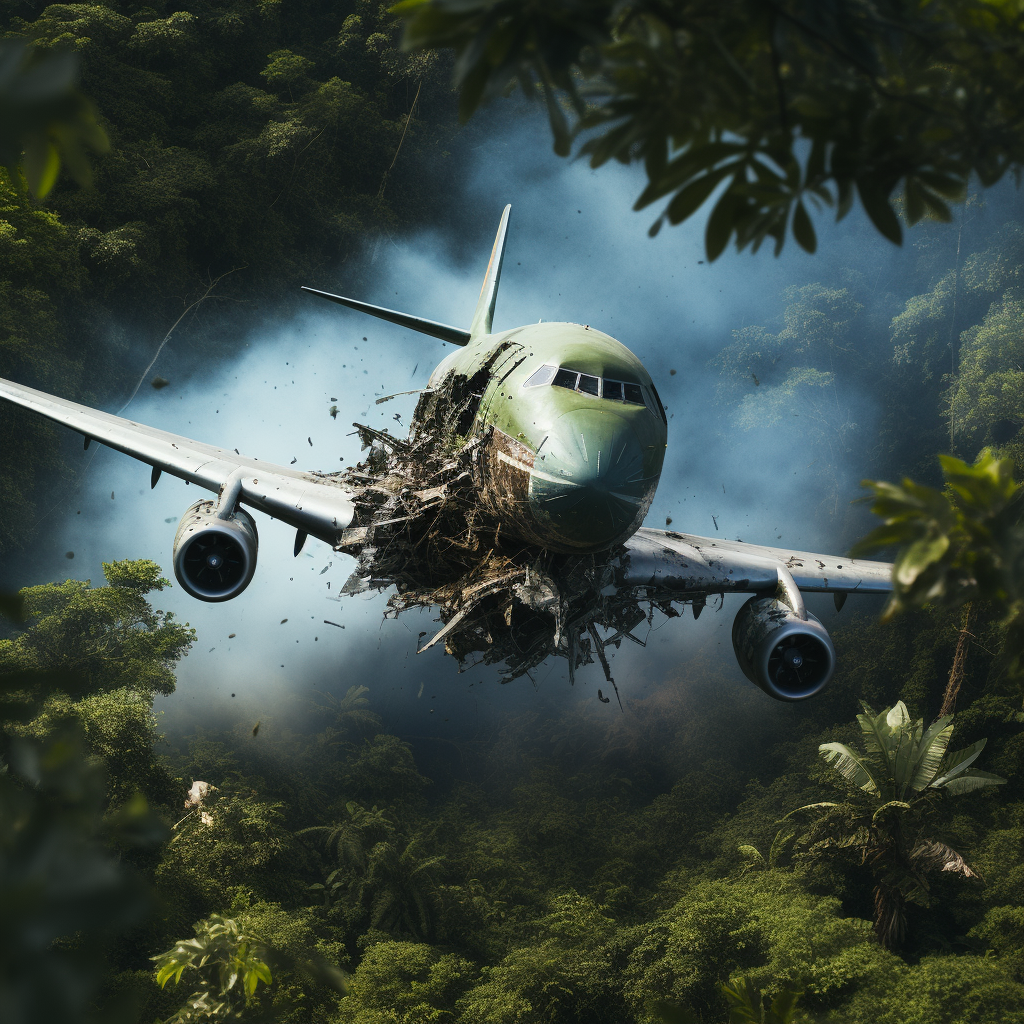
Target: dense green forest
pixel 680 861
pixel 252 149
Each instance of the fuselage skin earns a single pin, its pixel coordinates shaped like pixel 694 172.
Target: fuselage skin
pixel 569 470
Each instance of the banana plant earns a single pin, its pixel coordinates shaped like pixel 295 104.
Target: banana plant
pixel 900 768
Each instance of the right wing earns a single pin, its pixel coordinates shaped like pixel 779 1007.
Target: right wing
pixel 670 563
pixel 310 502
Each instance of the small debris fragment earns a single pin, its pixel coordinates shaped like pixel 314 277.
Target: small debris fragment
pixel 69 554
pixel 602 698
pixel 334 412
pixel 292 463
pixel 327 622
pixel 310 440
pixel 671 373
pixel 668 520
pixel 159 382
pixel 256 729
pixel 283 621
pixel 231 636
pixel 111 495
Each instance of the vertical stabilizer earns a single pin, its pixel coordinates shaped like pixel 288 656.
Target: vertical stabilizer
pixel 484 313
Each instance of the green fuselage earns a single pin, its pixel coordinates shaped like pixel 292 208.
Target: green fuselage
pixel 568 462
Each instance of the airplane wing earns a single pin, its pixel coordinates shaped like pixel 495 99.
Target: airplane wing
pixel 312 503
pixel 676 564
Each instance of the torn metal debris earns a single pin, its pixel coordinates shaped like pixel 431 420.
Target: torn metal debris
pixel 423 525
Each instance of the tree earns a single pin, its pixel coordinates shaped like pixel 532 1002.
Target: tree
pixel 401 888
pixel 103 637
pixel 900 770
pixel 963 544
pixel 767 104
pixel 406 983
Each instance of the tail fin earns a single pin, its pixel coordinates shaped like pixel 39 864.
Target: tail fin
pixel 484 313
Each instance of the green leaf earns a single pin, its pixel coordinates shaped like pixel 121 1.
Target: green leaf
pixel 877 207
pixel 971 780
pixel 687 200
pixel 850 765
pixel 919 556
pixel 783 1006
pixel 888 806
pixel 720 226
pixel 803 229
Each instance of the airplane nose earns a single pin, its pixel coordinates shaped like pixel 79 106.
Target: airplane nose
pixel 588 487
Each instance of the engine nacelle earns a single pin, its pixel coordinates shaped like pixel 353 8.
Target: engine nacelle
pixel 788 657
pixel 214 559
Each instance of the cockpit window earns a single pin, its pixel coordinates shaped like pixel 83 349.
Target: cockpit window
pixel 661 408
pixel 588 384
pixel 566 379
pixel 541 376
pixel 633 393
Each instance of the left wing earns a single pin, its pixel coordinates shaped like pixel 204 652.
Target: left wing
pixel 312 503
pixel 673 563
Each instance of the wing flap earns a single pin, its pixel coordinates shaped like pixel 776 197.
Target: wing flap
pixel 316 504
pixel 680 563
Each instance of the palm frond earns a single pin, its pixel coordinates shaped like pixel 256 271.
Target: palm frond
pixel 931 749
pixel 850 765
pixel 934 856
pixel 878 743
pixel 971 780
pixel 958 762
pixel 890 805
pixel 807 807
pixel 752 855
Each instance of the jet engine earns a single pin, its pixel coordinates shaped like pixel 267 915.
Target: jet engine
pixel 789 657
pixel 214 558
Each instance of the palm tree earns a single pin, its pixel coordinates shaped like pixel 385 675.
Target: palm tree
pixel 349 844
pixel 901 769
pixel 402 889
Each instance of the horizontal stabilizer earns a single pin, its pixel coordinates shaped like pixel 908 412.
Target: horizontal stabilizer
pixel 416 323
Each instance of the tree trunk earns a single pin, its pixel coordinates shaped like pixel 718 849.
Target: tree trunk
pixel 890 916
pixel 956 673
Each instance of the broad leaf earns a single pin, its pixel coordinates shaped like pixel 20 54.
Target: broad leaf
pixel 958 762
pixel 850 765
pixel 971 780
pixel 930 751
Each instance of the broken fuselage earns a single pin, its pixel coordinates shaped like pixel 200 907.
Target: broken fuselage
pixel 572 432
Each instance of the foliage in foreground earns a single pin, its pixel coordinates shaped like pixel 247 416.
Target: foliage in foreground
pixel 224 970
pixel 961 544
pixel 891 97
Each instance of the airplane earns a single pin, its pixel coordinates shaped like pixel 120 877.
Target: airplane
pixel 568 438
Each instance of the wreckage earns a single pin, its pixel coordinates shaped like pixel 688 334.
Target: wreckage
pixel 515 507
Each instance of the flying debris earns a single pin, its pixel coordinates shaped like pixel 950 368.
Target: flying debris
pixel 256 729
pixel 514 508
pixel 159 382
